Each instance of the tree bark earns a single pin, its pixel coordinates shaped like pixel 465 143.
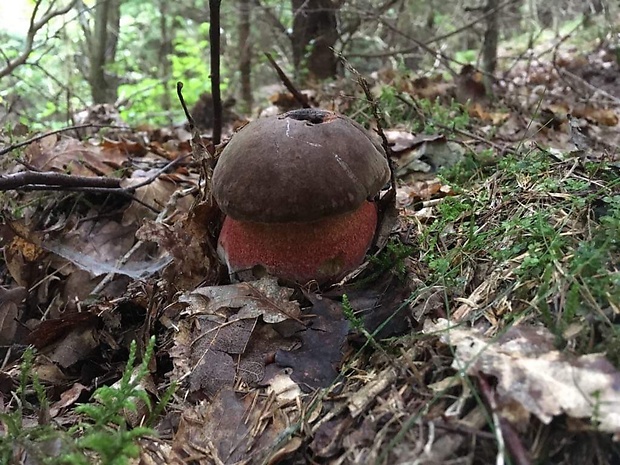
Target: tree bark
pixel 104 88
pixel 164 58
pixel 489 46
pixel 315 32
pixel 245 54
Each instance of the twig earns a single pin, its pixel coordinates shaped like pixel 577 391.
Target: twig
pixel 502 149
pixel 200 152
pixel 509 436
pixel 442 57
pixel 420 114
pixel 361 81
pixel 301 99
pixel 39 180
pixel 439 38
pixel 190 119
pixel 564 74
pixel 121 261
pixel 157 173
pixel 272 19
pixel 90 190
pixel 57 131
pixel 472 23
pixel 53 179
pixel 214 37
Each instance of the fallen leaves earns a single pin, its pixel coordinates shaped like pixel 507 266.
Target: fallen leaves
pixel 68 155
pixel 11 301
pixel 422 155
pixel 252 299
pixel 231 428
pixel 535 378
pixel 213 348
pixel 317 362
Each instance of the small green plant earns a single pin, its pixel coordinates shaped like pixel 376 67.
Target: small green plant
pixel 357 323
pixel 473 168
pixel 350 315
pixel 103 435
pixel 16 435
pixel 439 116
pixel 392 259
pixel 105 432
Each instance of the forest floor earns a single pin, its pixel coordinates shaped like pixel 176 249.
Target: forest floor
pixel 482 328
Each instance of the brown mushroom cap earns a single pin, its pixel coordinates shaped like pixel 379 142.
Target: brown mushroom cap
pixel 298 167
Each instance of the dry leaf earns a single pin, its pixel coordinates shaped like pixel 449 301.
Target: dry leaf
pixel 231 429
pixel 10 301
pixel 532 373
pixel 257 298
pixel 317 362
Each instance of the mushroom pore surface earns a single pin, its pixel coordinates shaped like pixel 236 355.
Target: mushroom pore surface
pixel 323 250
pixel 298 167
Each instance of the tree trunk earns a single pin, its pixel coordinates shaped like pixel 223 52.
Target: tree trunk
pixel 104 88
pixel 315 32
pixel 245 54
pixel 489 47
pixel 164 58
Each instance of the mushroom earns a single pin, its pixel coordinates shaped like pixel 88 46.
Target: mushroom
pixel 297 190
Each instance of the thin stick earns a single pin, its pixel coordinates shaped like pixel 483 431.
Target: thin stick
pixel 53 179
pixel 301 98
pixel 214 37
pixel 188 116
pixel 507 432
pixel 57 131
pixel 374 106
pixel 39 180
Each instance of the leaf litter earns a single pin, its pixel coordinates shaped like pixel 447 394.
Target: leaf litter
pixel 269 373
pixel 533 377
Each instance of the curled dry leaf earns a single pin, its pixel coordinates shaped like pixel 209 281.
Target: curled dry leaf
pixel 399 140
pixel 213 346
pixel 156 193
pixel 540 379
pixel 22 252
pixel 73 156
pixel 67 340
pixel 429 157
pixel 257 298
pixel 10 302
pixel 67 398
pixel 190 241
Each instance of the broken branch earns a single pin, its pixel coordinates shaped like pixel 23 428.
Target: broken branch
pixel 301 99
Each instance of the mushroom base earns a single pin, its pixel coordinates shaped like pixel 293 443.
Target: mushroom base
pixel 322 250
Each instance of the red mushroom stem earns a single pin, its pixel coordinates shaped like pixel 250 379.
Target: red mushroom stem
pixel 320 250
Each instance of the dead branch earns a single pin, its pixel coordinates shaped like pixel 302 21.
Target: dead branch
pixel 301 99
pixel 33 29
pixel 272 18
pixel 435 39
pixel 52 179
pixel 509 435
pixel 24 143
pixel 200 151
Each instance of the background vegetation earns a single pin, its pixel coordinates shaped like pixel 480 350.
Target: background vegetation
pixel 131 53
